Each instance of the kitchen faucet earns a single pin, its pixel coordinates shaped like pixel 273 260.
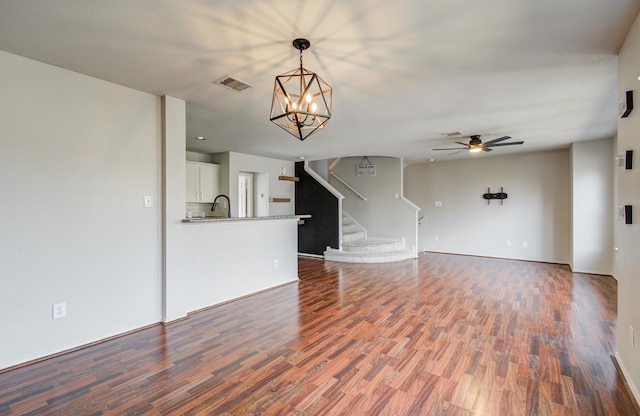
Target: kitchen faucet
pixel 215 204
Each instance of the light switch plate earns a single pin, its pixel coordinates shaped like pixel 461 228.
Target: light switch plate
pixel 148 201
pixel 59 310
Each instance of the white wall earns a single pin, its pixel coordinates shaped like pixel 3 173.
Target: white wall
pixel 537 210
pixel 77 155
pixel 223 159
pixel 232 163
pixel 592 219
pixel 199 157
pixel 321 167
pixel 627 237
pixel 232 259
pixel 382 214
pixel 174 129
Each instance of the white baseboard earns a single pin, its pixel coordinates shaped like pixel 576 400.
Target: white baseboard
pixel 625 374
pixel 586 271
pixel 316 256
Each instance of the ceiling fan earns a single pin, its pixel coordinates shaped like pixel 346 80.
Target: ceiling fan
pixel 476 145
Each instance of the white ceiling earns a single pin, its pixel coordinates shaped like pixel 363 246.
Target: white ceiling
pixel 403 72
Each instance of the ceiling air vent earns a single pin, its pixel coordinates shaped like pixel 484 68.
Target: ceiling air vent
pixel 452 134
pixel 232 83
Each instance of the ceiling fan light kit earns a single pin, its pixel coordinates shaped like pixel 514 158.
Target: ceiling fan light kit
pixel 475 145
pixel 301 102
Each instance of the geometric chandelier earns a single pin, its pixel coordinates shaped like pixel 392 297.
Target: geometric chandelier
pixel 301 99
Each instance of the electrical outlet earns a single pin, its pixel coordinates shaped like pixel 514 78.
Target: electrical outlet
pixel 275 263
pixel 508 243
pixel 59 310
pixel 524 244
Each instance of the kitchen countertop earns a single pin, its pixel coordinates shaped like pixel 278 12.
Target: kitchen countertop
pixel 198 220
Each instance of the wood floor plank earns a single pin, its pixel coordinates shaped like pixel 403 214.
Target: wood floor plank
pixel 440 335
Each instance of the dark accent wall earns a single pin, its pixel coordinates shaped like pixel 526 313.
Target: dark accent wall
pixel 321 230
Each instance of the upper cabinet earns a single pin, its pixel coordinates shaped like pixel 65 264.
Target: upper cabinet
pixel 202 181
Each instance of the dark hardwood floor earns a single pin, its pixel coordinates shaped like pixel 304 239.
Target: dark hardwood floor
pixel 441 335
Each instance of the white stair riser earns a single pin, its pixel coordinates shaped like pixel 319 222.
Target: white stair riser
pixel 356 248
pixel 352 236
pixel 346 257
pixel 373 248
pixel 350 228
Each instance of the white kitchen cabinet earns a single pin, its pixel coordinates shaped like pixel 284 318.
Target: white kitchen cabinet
pixel 202 181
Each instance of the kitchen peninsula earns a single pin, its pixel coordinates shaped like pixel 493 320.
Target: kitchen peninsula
pixel 229 255
pixel 228 258
pixel 234 219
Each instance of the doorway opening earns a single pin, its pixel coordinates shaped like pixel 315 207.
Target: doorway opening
pixel 245 195
pixel 253 188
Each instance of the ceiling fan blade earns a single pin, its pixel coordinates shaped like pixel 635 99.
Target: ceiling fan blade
pixel 464 144
pixel 453 153
pixel 486 149
pixel 506 144
pixel 490 142
pixel 449 148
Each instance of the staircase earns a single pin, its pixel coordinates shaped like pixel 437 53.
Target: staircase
pixel 357 248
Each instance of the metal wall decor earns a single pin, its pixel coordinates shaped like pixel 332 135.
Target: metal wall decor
pixel 499 195
pixel 301 101
pixel 625 159
pixel 628 159
pixel 628 214
pixel 366 168
pixel 626 104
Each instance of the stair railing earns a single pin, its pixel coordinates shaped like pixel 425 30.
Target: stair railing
pixel 348 186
